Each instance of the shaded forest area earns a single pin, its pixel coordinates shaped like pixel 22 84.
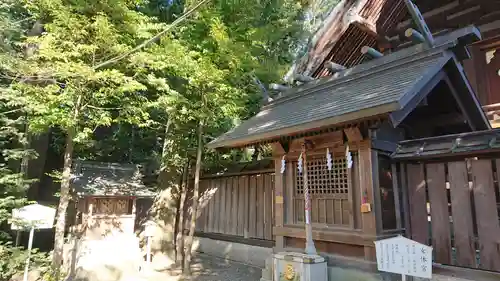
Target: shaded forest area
pixel 146 82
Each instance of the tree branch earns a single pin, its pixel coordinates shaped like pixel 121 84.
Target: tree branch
pixel 11 111
pixel 102 108
pixel 159 35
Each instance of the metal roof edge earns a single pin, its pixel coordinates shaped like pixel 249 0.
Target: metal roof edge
pixel 458 67
pixel 344 118
pixel 364 70
pixel 405 99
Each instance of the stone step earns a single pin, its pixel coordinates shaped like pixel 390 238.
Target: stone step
pixel 267 274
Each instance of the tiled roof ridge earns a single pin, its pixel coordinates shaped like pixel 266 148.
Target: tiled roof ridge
pixel 389 61
pixel 364 70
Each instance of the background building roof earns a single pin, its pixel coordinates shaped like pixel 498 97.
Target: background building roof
pixel 108 179
pixel 377 87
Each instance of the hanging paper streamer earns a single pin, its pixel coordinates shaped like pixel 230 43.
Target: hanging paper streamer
pixel 329 162
pixel 348 157
pixel 283 164
pixel 299 164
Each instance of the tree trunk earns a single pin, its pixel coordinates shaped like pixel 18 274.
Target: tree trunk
pixel 65 195
pixel 163 175
pixel 194 206
pixel 180 223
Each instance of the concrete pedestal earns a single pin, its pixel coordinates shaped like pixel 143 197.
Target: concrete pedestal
pixel 289 266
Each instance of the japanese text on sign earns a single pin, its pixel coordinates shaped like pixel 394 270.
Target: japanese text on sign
pixel 404 256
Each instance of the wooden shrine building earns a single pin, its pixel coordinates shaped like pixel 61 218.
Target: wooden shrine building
pixel 360 112
pixel 381 24
pixel 108 197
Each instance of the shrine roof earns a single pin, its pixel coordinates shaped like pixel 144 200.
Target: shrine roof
pixel 108 179
pixel 479 143
pixel 375 88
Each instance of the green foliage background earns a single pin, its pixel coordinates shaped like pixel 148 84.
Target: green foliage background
pixel 144 108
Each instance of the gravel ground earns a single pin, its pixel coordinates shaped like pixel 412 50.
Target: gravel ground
pixel 209 268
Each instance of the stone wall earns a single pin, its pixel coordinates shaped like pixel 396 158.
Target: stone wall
pixel 248 254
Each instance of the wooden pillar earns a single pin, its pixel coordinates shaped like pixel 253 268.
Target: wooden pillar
pixel 91 206
pixel 288 185
pixel 134 208
pixel 279 202
pixel 368 219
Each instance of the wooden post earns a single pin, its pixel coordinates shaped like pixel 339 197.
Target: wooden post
pixel 310 249
pixel 368 220
pixel 397 203
pixel 278 201
pixel 288 183
pixel 30 245
pixel 91 211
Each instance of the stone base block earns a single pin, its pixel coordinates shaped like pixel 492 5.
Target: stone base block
pixel 290 266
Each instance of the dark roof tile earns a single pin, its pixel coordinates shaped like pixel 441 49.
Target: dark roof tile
pixel 377 87
pixel 108 179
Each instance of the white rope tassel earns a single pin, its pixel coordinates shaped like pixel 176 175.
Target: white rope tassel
pixel 348 157
pixel 329 160
pixel 283 164
pixel 299 164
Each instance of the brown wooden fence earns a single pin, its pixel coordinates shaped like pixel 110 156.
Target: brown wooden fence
pixel 454 206
pixel 239 205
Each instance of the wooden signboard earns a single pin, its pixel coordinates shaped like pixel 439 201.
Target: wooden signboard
pixel 404 256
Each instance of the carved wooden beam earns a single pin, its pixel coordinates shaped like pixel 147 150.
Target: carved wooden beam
pixel 353 134
pixel 452 15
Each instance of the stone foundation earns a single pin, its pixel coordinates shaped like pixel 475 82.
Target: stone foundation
pixel 248 254
pixel 342 269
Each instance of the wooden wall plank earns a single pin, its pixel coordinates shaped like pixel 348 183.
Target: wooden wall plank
pixel 322 211
pixel 417 198
pixel 299 211
pixel 199 211
pixel 462 214
pixel 346 215
pixel 217 205
pixel 440 219
pixel 246 224
pixel 252 207
pixel 234 206
pixel 330 211
pixel 337 213
pixel 260 206
pixel 241 206
pixel 314 210
pixel 206 212
pixel 211 207
pixel 229 199
pixel 487 214
pixel 268 207
pixel 207 207
pixel 222 205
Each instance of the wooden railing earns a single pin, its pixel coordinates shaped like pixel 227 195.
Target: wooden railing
pixel 236 205
pixel 453 206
